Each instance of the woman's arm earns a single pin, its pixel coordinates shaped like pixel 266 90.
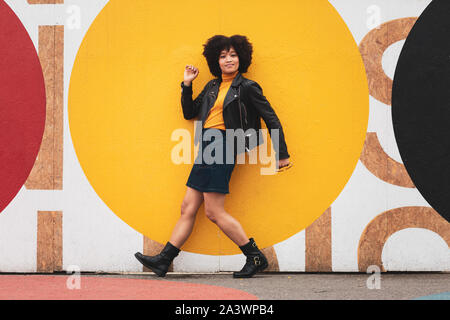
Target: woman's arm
pixel 191 108
pixel 265 110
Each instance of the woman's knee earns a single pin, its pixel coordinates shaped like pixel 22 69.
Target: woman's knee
pixel 188 210
pixel 214 206
pixel 213 214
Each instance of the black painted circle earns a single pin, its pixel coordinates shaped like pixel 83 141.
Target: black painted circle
pixel 421 105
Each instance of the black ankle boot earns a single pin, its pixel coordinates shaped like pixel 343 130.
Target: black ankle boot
pixel 160 263
pixel 256 261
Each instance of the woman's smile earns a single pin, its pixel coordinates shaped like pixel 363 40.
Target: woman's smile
pixel 230 55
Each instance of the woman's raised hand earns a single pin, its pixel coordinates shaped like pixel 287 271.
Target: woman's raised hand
pixel 190 73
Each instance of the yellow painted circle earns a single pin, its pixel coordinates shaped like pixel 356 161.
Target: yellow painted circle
pixel 124 104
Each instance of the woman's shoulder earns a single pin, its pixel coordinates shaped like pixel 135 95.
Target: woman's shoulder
pixel 212 82
pixel 250 83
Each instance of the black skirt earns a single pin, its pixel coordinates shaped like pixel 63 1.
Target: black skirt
pixel 212 176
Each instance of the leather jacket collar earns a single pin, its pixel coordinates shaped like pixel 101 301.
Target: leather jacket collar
pixel 235 83
pixel 232 94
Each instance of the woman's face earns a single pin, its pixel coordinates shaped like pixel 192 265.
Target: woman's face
pixel 229 61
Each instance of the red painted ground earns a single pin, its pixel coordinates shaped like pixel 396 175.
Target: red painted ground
pixel 40 287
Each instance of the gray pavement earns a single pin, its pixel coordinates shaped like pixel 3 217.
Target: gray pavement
pixel 322 286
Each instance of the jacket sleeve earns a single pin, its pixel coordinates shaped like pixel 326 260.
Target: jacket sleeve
pixel 191 108
pixel 265 110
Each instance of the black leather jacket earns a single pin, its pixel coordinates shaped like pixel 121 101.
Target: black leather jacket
pixel 252 97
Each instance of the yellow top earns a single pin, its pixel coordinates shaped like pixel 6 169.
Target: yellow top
pixel 215 117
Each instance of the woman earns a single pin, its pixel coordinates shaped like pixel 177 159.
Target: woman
pixel 218 108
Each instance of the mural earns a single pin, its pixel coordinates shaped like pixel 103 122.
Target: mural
pixel 122 115
pixel 107 89
pixel 420 112
pixel 22 101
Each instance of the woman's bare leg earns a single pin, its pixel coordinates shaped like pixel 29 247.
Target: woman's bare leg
pixel 189 207
pixel 214 209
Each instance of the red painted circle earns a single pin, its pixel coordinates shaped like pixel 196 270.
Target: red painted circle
pixel 22 105
pixel 37 287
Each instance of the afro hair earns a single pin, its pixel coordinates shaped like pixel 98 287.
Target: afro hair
pixel 216 44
